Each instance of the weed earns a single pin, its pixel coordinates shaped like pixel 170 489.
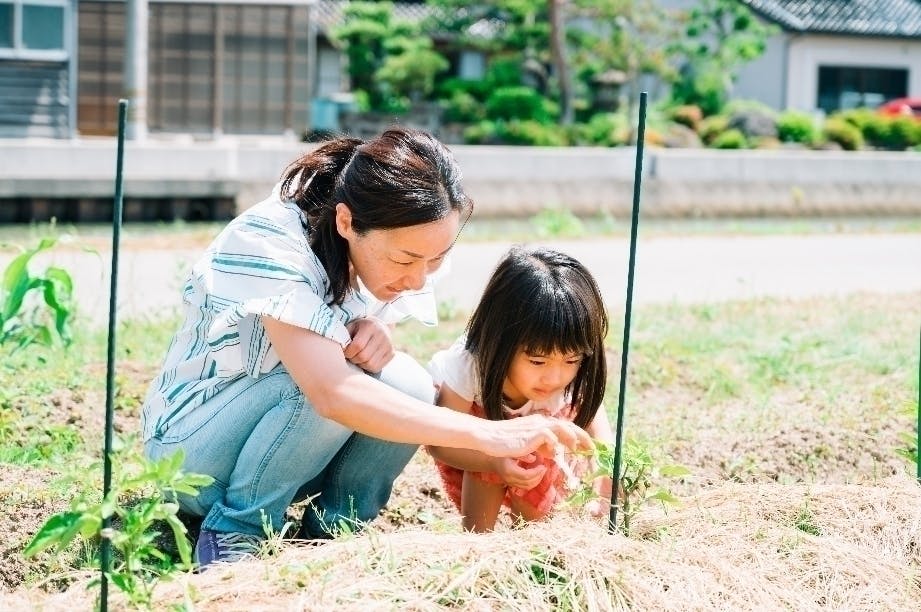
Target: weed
pixel 557 223
pixel 139 499
pixel 24 322
pixel 640 478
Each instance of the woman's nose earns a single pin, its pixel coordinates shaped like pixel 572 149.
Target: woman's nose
pixel 415 280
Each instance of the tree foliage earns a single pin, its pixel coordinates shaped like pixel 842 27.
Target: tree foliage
pixel 720 36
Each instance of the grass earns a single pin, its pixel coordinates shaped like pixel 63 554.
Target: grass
pixel 760 392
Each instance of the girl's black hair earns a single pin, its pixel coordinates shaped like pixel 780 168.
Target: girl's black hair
pixel 402 177
pixel 541 301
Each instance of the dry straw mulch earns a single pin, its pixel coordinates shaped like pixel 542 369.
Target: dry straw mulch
pixel 735 547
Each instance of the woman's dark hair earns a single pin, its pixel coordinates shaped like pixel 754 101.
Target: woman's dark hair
pixel 540 301
pixel 401 178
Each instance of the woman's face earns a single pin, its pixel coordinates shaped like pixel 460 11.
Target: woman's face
pixel 392 261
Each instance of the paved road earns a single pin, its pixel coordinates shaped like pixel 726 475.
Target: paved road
pixel 682 269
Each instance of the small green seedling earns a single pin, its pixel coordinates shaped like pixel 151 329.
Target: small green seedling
pixel 141 497
pixel 24 323
pixel 640 479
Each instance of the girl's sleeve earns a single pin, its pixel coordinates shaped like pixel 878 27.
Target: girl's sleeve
pixel 262 268
pixel 456 368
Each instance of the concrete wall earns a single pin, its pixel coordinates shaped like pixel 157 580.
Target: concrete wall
pixel 502 180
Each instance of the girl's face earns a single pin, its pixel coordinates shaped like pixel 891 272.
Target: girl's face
pixel 539 377
pixel 392 261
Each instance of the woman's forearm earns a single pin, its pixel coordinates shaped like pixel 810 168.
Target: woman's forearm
pixel 462 459
pixel 344 394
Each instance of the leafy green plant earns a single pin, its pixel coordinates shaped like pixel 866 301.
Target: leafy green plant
pixel 796 126
pixel 519 102
pixel 25 323
pixel 141 498
pixel 410 67
pixel 730 139
pixel 844 133
pixel 641 478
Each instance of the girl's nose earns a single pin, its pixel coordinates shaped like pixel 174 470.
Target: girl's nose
pixel 553 376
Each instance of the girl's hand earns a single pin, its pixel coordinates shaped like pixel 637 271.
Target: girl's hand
pixel 534 433
pixel 370 348
pixel 599 508
pixel 514 474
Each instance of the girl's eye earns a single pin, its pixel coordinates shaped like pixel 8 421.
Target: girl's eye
pixel 536 362
pixel 402 263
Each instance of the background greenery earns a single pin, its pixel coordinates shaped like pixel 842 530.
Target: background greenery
pixel 569 73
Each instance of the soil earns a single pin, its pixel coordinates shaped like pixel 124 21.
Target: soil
pixel 808 450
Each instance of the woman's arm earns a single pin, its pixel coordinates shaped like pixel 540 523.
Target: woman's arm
pixel 507 468
pixel 364 404
pixel 461 458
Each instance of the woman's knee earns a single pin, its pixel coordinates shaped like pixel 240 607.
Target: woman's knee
pixel 407 375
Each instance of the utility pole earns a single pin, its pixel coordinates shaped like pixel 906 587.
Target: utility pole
pixel 135 69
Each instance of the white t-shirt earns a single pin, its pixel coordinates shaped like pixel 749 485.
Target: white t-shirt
pixel 260 265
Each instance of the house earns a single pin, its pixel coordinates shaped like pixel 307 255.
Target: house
pixel 835 54
pixel 213 66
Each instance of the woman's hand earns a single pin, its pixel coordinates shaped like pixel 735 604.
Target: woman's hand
pixel 514 474
pixel 530 434
pixel 371 348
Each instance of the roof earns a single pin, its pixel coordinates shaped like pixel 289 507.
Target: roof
pixel 895 18
pixel 329 12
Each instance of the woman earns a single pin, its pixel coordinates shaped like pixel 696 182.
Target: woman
pixel 282 383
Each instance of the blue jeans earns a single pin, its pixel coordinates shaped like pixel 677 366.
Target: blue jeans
pixel 266 447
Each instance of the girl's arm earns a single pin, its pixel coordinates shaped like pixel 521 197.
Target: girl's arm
pixel 364 404
pixel 508 469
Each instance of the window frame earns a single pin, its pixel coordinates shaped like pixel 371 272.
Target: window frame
pixel 19 52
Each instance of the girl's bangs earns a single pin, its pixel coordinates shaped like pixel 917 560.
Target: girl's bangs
pixel 558 325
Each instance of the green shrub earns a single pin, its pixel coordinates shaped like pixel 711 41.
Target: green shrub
pixel 503 71
pixel 478 88
pixel 876 131
pixel 730 139
pixel 604 129
pixel 519 102
pixel 484 132
pixel 531 133
pixel 903 133
pixel 711 127
pixel 689 115
pixel 796 126
pixel 844 133
pixel 462 107
pixel 858 117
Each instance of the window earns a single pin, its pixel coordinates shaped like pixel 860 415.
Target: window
pixel 34 29
pixel 844 87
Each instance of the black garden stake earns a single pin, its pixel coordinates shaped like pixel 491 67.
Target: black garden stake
pixel 105 551
pixel 619 433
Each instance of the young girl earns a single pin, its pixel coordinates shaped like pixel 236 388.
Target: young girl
pixel 535 344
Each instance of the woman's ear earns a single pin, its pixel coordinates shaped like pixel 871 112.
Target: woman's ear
pixel 344 220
